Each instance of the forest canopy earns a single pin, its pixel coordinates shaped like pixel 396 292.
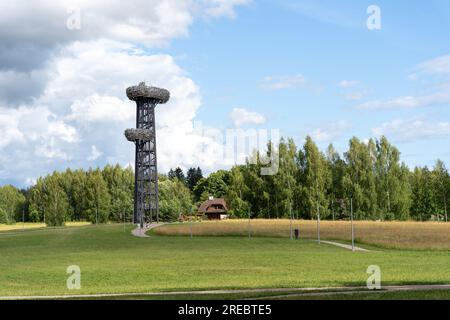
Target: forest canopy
pixel 309 182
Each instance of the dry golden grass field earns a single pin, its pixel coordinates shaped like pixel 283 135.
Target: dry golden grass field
pixel 397 235
pixel 31 225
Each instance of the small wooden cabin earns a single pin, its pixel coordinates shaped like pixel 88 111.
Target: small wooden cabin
pixel 214 209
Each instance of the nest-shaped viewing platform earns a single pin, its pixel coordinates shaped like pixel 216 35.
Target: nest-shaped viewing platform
pixel 134 135
pixel 143 91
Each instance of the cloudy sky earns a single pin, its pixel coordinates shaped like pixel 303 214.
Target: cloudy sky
pixel 304 67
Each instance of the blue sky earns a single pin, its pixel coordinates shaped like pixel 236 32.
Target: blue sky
pixel 304 67
pixel 326 42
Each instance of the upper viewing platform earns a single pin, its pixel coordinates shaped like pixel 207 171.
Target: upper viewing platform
pixel 143 91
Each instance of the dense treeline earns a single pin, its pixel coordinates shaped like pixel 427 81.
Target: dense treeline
pixel 369 177
pixel 95 195
pixel 12 204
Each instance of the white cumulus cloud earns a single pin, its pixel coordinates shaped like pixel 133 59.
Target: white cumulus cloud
pixel 95 154
pixel 146 22
pixel 84 104
pixel 241 116
pixel 413 130
pixel 330 131
pixel 439 98
pixel 218 8
pixel 75 82
pixel 439 65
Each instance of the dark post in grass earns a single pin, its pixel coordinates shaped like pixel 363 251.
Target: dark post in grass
pixel 292 218
pixel 144 137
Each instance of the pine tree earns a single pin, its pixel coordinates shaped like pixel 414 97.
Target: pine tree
pixel 193 176
pixel 171 174
pixel 179 174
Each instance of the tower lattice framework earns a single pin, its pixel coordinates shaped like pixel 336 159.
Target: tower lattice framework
pixel 146 207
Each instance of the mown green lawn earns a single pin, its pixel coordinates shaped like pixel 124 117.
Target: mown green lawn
pixel 369 295
pixel 113 261
pixel 396 295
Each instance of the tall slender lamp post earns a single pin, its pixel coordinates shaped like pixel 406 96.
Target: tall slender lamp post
pixel 190 222
pixel 318 222
pixel 353 227
pixel 249 225
pixel 318 210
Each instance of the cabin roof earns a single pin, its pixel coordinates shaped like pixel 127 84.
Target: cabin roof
pixel 213 206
